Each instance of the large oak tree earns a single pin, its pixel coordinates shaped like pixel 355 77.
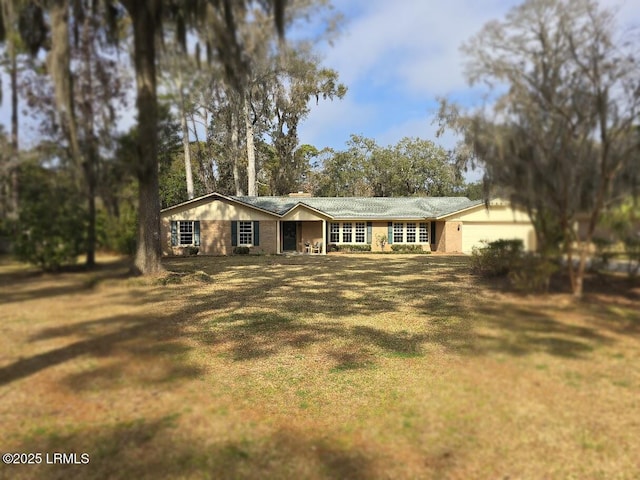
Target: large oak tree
pixel 564 97
pixel 216 21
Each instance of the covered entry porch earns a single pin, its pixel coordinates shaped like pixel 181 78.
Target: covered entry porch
pixel 302 229
pixel 302 236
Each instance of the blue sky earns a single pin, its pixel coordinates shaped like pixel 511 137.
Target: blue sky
pixel 396 57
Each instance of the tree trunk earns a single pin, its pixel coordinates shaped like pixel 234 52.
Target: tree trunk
pixel 13 168
pixel 251 149
pixel 185 141
pixel 91 227
pixel 59 64
pixel 204 161
pixel 91 149
pixel 578 289
pixel 235 152
pixel 148 251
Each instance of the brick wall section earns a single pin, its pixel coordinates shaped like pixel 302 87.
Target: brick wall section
pixel 438 243
pixel 453 237
pixel 268 236
pixel 448 238
pixel 378 229
pixel 215 238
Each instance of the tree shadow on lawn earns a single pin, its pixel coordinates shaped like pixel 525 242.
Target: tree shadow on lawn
pixel 31 284
pixel 482 326
pixel 128 337
pixel 164 342
pixel 610 305
pixel 385 264
pixel 282 304
pixel 123 338
pixel 523 331
pixel 341 287
pixel 161 448
pixel 259 335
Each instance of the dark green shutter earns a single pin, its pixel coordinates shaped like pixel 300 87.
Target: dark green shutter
pixel 390 236
pixel 174 233
pixel 234 234
pixel 369 232
pixel 433 233
pixel 196 233
pixel 256 234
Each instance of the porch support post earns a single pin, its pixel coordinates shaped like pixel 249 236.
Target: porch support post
pixel 278 246
pixel 324 237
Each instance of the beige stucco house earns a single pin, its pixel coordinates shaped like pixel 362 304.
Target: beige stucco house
pixel 217 223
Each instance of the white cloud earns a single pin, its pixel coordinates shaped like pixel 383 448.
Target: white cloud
pixel 420 127
pixel 331 122
pixel 397 57
pixel 410 43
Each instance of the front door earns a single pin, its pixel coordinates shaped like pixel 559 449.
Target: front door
pixel 289 236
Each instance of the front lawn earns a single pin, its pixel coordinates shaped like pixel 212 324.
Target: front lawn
pixel 359 367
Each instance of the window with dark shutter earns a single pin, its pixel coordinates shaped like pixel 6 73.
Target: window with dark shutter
pixel 196 233
pixel 256 233
pixel 234 234
pixel 174 233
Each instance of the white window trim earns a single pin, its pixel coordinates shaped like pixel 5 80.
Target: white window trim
pixel 353 233
pixel 334 232
pixel 349 232
pixel 427 230
pixel 193 233
pixel 417 233
pixel 240 244
pixel 362 232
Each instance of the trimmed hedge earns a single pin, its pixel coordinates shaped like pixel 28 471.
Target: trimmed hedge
pixel 352 248
pixel 496 258
pixel 241 250
pixel 526 272
pixel 403 248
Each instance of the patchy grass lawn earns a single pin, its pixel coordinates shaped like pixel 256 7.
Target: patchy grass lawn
pixel 358 367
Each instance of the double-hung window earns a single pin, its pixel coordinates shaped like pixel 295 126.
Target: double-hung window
pixel 245 233
pixel 409 232
pixel 423 236
pixel 398 233
pixel 361 232
pixel 350 232
pixel 346 232
pixel 185 233
pixel 334 233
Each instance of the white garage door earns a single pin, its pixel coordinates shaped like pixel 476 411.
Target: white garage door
pixel 474 233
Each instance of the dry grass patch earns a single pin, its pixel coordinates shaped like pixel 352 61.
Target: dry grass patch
pixel 316 367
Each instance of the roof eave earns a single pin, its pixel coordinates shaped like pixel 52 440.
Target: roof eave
pixel 455 212
pixel 224 197
pixel 193 200
pixel 316 210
